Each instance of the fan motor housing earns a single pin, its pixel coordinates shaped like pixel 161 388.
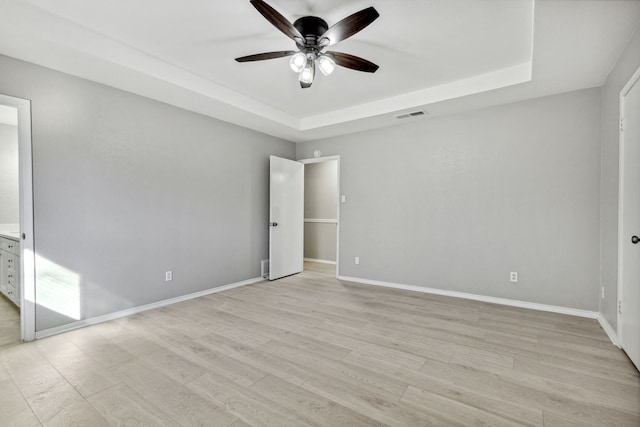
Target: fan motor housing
pixel 311 27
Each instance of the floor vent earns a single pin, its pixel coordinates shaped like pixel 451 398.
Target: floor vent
pixel 412 114
pixel 264 268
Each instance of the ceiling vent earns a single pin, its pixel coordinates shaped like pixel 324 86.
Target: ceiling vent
pixel 418 113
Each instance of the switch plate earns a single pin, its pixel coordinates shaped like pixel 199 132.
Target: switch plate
pixel 513 277
pixel 343 198
pixel 357 260
pixel 168 276
pixel 602 288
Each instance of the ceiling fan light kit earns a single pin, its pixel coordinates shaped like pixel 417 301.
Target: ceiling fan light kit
pixel 326 64
pixel 312 35
pixel 298 62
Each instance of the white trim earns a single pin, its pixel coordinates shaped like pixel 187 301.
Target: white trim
pixel 320 159
pixel 608 329
pixel 621 238
pixel 320 221
pixel 128 312
pixel 327 159
pixel 320 261
pixel 494 300
pixel 497 79
pixel 71 48
pixel 27 252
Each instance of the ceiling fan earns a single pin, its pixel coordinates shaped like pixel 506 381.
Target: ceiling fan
pixel 312 35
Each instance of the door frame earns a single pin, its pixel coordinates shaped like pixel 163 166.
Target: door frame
pixel 635 79
pixel 27 252
pixel 338 198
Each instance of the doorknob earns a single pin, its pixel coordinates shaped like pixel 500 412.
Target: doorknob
pixel 273 224
pixel 635 240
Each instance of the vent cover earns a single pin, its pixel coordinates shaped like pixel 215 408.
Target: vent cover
pixel 411 114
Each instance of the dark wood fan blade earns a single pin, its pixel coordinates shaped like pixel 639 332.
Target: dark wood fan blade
pixel 278 21
pixel 353 62
pixel 350 25
pixel 266 55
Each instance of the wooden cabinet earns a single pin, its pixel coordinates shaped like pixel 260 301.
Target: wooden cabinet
pixel 10 269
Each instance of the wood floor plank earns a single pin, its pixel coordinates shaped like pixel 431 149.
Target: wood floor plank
pixel 540 393
pixel 15 409
pixel 383 410
pixel 377 346
pixel 475 357
pixel 213 360
pixel 374 336
pixel 245 404
pixel 629 376
pixel 452 410
pixel 482 397
pixel 259 359
pixel 309 349
pixel 122 406
pixel 9 322
pixel 78 413
pixel 624 392
pixel 104 352
pixel 304 404
pixel 174 365
pixel 318 366
pixel 51 400
pixel 80 370
pixel 177 401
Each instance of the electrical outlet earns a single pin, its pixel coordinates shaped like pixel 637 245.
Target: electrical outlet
pixel 357 260
pixel 343 199
pixel 168 276
pixel 513 277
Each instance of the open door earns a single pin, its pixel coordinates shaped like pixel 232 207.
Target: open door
pixel 27 281
pixel 286 217
pixel 629 249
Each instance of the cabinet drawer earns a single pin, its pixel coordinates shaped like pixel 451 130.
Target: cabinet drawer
pixel 11 262
pixel 14 296
pixel 9 245
pixel 12 280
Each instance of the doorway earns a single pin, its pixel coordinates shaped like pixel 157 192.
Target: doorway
pixel 629 221
pixel 321 214
pixel 17 271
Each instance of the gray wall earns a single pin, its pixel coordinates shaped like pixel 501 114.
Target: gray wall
pixel 458 202
pixel 126 188
pixel 627 64
pixel 320 202
pixel 9 175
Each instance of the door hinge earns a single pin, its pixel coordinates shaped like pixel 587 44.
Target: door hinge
pixel 622 124
pixel 619 307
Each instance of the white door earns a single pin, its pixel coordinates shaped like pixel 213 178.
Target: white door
pixel 286 217
pixel 629 312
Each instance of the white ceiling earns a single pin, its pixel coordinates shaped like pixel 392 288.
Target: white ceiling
pixel 442 56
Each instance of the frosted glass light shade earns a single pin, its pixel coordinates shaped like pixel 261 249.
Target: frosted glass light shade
pixel 298 62
pixel 326 65
pixel 306 75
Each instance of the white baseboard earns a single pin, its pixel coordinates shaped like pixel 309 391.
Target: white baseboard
pixel 128 312
pixel 321 261
pixel 613 336
pixel 483 298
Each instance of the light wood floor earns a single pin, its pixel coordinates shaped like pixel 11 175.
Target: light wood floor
pixel 310 350
pixel 9 322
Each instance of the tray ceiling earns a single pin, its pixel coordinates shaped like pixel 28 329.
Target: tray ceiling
pixel 429 52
